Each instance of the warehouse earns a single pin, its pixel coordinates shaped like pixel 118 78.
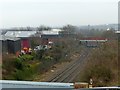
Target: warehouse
pixel 3 43
pixel 14 45
pixel 23 35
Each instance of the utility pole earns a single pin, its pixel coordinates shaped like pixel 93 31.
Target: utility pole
pixel 91 83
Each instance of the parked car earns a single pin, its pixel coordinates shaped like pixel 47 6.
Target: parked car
pixel 38 48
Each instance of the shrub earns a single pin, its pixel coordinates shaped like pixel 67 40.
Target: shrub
pixel 39 54
pixel 18 75
pixel 26 57
pixel 101 76
pixel 18 63
pixel 23 74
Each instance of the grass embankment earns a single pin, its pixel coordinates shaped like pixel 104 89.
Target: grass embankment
pixel 18 68
pixel 102 66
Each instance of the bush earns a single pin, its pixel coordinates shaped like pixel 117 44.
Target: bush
pixel 18 63
pixel 23 74
pixel 26 57
pixel 101 76
pixel 39 54
pixel 47 58
pixel 18 75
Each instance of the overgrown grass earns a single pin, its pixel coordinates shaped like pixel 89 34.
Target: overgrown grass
pixel 102 66
pixel 18 68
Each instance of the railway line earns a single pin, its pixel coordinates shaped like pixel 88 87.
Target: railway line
pixel 72 70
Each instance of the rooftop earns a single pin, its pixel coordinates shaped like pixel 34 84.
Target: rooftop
pixel 8 38
pixel 50 32
pixel 20 33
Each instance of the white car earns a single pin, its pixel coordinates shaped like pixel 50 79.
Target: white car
pixel 38 48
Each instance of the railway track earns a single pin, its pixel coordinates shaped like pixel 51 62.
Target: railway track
pixel 72 70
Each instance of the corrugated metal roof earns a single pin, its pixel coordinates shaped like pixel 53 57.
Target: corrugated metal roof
pixel 20 33
pixel 50 32
pixel 2 37
pixel 58 30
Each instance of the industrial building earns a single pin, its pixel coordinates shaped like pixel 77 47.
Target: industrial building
pixel 23 35
pixel 10 44
pixel 50 36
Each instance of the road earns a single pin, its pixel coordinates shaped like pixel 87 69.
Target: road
pixel 72 70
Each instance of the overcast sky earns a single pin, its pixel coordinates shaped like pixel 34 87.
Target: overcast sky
pixel 22 13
